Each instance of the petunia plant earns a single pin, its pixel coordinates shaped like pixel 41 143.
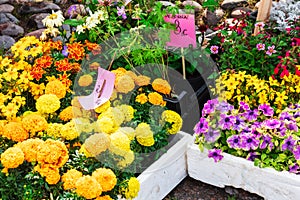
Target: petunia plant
pixel 257 134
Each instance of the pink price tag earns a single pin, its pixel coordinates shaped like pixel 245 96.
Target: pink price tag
pixel 102 92
pixel 185 33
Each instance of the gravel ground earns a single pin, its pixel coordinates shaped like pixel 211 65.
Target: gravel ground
pixel 191 189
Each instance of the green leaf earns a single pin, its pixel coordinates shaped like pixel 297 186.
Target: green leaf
pixel 74 22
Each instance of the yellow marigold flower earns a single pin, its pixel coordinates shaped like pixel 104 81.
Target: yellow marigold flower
pixel 128 158
pixel 88 187
pixel 106 178
pixel 70 178
pixel 57 88
pixel 10 74
pixel 68 131
pixel 97 143
pixel 85 80
pixel 131 74
pixel 66 114
pixel 47 103
pixel 124 84
pixel 119 72
pixel 37 89
pixel 51 173
pixel 133 188
pixel 34 123
pixel 174 119
pixel 30 148
pixel 53 130
pixel 141 98
pixel 83 124
pixel 85 152
pixel 114 95
pixel 120 140
pixel 53 152
pixel 142 80
pixel 12 157
pixel 106 197
pixel 144 134
pixel 161 86
pixel 128 112
pixel 15 132
pixel 115 114
pixel 103 107
pixel 10 110
pixel 129 131
pixel 156 99
pixel 106 125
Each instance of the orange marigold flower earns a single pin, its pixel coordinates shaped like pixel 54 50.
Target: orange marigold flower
pixel 94 66
pixel 88 187
pixel 56 87
pixel 119 72
pixel 12 157
pixel 37 73
pixel 105 197
pixel 141 98
pixel 51 173
pixel 76 51
pixel 95 48
pixel 66 114
pixel 30 148
pixel 131 74
pixel 34 123
pixel 142 80
pixel 85 80
pixel 156 99
pixel 69 179
pixel 64 78
pixel 162 86
pixel 53 152
pixel 106 178
pixel 75 67
pixel 43 62
pixel 63 65
pixel 124 84
pixel 15 132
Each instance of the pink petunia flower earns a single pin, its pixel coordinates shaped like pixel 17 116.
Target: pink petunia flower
pixel 260 24
pixel 271 50
pixel 260 46
pixel 214 49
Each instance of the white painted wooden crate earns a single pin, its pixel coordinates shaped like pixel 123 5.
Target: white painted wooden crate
pixel 167 172
pixel 241 173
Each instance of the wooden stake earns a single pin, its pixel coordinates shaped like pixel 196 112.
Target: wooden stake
pixel 263 13
pixel 183 63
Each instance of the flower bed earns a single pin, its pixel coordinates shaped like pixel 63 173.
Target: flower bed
pixel 241 173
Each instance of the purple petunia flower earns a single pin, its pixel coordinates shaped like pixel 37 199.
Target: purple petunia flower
pixel 266 109
pixel 252 155
pixel 271 50
pixel 249 142
pixel 212 135
pixel 292 126
pixel 246 131
pixel 238 124
pixel 234 141
pixel 243 106
pixel 251 115
pixel 272 123
pixel 296 115
pixel 201 126
pixel 214 49
pixel 209 106
pixel 285 116
pixel 65 51
pixel 288 144
pixel 294 168
pixel 224 107
pixel 121 12
pixel 215 154
pixel 226 121
pixel 296 152
pixel 255 133
pixel 267 142
pixel 260 46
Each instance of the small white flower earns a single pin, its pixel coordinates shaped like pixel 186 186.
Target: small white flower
pixel 54 19
pixel 81 29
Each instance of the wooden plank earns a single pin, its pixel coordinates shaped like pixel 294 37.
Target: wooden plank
pixel 263 13
pixel 241 173
pixel 167 172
